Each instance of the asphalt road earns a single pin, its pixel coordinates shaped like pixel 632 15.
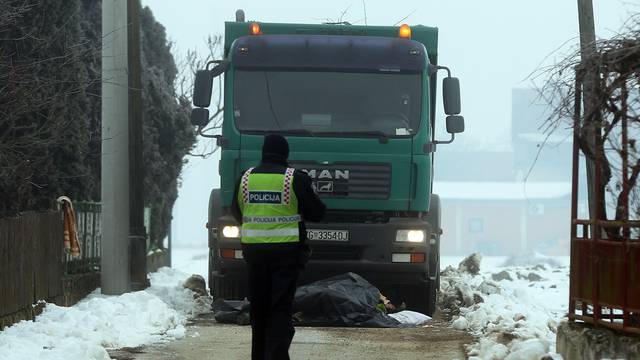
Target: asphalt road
pixel 207 339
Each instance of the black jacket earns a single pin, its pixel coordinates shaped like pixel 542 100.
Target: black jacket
pixel 310 207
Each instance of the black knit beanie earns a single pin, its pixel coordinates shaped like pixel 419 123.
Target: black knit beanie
pixel 275 146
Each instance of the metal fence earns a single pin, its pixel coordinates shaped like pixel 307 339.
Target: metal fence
pixel 89 225
pixel 88 222
pixel 605 276
pixel 604 287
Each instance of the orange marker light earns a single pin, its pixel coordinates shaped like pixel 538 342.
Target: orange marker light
pixel 417 257
pixel 405 31
pixel 255 29
pixel 228 253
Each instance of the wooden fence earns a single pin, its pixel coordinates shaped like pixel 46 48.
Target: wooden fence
pixel 31 264
pixel 34 267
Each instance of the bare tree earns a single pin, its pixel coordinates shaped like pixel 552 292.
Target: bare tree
pixel 615 115
pixel 193 62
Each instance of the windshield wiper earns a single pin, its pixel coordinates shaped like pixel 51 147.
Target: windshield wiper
pixel 280 131
pixel 295 132
pixel 381 135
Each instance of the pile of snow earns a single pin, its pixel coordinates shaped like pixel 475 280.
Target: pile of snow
pixel 99 322
pixel 191 260
pixel 513 310
pixel 532 259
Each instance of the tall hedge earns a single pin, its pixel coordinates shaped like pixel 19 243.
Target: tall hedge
pixel 168 133
pixel 43 105
pixel 50 108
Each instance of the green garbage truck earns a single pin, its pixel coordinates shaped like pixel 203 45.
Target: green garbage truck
pixel 358 107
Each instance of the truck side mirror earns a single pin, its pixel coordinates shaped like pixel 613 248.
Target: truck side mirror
pixel 451 96
pixel 199 117
pixel 203 84
pixel 455 124
pixel 202 87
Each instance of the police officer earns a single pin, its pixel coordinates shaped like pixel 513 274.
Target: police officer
pixel 272 201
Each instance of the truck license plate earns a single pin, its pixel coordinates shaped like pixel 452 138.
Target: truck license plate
pixel 328 235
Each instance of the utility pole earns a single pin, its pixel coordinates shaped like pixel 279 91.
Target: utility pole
pixel 589 128
pixel 137 233
pixel 115 275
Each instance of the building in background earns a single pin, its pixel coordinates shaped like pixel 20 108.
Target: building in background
pixel 538 154
pixel 474 164
pixel 509 198
pixel 503 218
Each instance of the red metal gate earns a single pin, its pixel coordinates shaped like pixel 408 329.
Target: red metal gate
pixel 605 270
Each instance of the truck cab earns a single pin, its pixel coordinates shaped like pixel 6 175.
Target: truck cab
pixel 357 106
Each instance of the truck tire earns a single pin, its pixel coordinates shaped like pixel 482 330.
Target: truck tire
pixel 432 296
pixel 220 287
pixel 215 211
pixel 434 217
pixel 228 289
pixel 420 298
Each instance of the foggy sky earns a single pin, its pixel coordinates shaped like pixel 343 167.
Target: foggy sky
pixel 492 46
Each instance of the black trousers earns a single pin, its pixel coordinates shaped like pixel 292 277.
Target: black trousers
pixel 273 274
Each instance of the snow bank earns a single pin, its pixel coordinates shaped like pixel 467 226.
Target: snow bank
pixel 514 310
pixel 533 259
pixel 85 330
pixel 191 260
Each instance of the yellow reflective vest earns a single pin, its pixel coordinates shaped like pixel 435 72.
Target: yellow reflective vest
pixel 269 208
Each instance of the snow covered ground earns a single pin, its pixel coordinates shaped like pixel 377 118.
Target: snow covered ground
pixel 513 305
pixel 99 322
pixel 516 319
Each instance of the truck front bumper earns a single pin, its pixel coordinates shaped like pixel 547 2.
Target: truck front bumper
pixel 368 252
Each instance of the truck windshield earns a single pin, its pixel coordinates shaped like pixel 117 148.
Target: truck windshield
pixel 333 103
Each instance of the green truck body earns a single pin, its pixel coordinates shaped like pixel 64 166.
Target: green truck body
pixel 412 174
pixel 361 126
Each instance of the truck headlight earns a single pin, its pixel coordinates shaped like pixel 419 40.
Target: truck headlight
pixel 231 231
pixel 414 236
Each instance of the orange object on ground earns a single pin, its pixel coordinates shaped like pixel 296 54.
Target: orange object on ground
pixel 71 242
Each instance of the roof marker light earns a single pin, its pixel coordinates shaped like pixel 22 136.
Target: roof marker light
pixel 255 29
pixel 404 31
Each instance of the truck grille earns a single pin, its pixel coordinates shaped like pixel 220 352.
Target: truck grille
pixel 349 180
pixel 357 217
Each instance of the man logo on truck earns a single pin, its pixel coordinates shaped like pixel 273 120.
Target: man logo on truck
pixel 322 185
pixel 325 186
pixel 327 174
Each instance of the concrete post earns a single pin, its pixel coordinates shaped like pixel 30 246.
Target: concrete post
pixel 138 238
pixel 115 149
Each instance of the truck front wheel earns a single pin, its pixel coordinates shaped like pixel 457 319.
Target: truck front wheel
pixel 420 298
pixel 228 289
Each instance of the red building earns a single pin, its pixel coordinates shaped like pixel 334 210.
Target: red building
pixel 503 218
